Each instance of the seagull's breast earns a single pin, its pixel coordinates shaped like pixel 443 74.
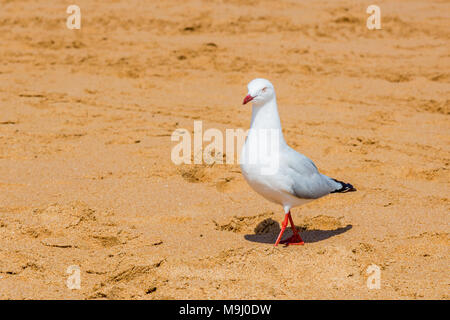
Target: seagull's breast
pixel 264 173
pixel 272 187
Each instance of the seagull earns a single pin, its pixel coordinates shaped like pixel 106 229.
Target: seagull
pixel 272 168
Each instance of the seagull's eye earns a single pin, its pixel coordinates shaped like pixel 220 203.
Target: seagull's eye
pixel 264 89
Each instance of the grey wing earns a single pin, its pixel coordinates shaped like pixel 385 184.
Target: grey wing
pixel 306 180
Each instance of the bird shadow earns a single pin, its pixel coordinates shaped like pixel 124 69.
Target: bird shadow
pixel 267 232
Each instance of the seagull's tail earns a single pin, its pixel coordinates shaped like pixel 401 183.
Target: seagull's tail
pixel 345 187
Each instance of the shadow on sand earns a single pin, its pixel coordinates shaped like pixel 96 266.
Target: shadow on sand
pixel 269 235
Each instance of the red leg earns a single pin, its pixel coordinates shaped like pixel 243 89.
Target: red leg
pixel 283 227
pixel 295 238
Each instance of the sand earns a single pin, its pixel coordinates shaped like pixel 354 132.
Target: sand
pixel 86 177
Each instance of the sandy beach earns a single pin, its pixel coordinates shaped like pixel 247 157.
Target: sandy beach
pixel 86 177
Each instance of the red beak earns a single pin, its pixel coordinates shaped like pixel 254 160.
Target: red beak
pixel 247 99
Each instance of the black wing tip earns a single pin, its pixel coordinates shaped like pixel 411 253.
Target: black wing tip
pixel 346 187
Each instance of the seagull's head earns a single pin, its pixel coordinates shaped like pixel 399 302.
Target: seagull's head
pixel 259 91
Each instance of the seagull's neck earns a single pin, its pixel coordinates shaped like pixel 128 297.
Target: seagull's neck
pixel 266 116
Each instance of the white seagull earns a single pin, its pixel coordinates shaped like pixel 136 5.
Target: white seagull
pixel 275 170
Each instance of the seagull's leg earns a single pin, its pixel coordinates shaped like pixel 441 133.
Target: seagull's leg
pixel 295 238
pixel 294 229
pixel 283 227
